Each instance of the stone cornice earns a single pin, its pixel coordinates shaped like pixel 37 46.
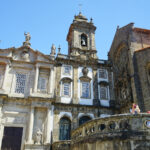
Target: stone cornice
pixel 80 106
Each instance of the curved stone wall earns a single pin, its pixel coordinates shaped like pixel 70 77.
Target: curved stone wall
pixel 117 132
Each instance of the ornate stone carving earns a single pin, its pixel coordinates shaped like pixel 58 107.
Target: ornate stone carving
pixel 53 50
pixel 27 39
pixel 122 79
pixel 85 71
pixel 123 91
pixel 25 55
pixel 66 79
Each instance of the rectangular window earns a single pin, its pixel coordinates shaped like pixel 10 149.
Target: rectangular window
pixel 66 89
pixel 67 70
pixel 43 80
pixel 103 93
pixel 20 83
pixel 102 73
pixel 42 84
pixel 85 90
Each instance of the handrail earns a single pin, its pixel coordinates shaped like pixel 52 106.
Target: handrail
pixel 115 124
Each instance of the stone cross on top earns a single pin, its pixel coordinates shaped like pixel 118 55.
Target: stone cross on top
pixel 80 8
pixel 27 39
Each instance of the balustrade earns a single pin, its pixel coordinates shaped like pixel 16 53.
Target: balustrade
pixel 112 126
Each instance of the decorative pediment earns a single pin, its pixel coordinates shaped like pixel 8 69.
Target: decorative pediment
pixel 66 79
pixel 85 78
pixel 25 53
pixel 104 83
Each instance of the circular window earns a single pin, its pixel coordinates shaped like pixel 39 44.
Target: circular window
pixel 148 123
pixel 112 125
pixel 102 127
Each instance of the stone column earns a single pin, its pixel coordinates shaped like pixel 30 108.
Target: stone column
pixel 48 131
pixel 75 85
pixel 5 76
pixel 95 88
pixel 30 126
pixel 36 79
pixel 51 81
pixel 57 83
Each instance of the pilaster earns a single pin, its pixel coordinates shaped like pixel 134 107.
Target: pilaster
pixel 58 77
pixel 48 131
pixel 30 126
pixel 36 78
pixel 56 126
pixel 75 85
pixel 5 76
pixel 74 124
pixel 95 88
pixel 51 81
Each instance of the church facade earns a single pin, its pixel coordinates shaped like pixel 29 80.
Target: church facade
pixel 46 100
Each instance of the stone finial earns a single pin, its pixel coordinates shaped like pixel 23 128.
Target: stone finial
pixel 53 50
pixel 27 39
pixel 91 20
pixel 59 48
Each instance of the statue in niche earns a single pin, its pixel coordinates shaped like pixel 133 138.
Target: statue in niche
pixel 38 137
pixel 124 93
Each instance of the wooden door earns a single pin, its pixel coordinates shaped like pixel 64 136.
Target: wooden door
pixel 12 138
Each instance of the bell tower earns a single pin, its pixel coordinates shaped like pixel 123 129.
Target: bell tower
pixel 81 37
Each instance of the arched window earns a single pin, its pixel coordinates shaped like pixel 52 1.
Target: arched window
pixel 83 40
pixel 64 129
pixel 84 119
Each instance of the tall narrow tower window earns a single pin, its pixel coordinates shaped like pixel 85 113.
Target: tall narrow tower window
pixel 83 40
